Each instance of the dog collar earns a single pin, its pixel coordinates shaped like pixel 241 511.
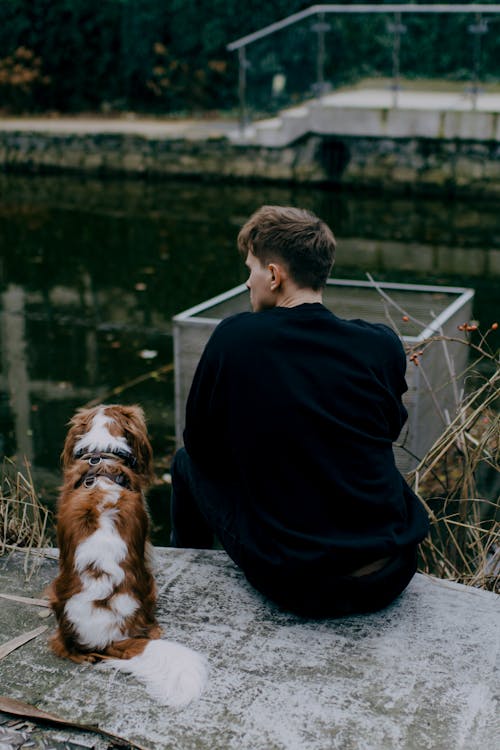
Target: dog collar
pixel 95 458
pixel 89 479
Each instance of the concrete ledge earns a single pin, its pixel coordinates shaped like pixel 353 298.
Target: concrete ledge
pixel 371 113
pixel 420 674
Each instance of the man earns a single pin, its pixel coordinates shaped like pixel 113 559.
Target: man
pixel 288 441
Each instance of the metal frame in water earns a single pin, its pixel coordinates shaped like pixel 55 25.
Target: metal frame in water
pixel 433 388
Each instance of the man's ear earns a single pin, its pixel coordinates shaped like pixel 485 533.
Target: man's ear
pixel 278 275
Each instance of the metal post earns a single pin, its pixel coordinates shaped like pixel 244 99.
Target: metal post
pixel 320 28
pixel 15 361
pixel 396 28
pixel 477 29
pixel 242 88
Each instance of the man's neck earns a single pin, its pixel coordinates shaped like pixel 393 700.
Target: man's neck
pixel 300 297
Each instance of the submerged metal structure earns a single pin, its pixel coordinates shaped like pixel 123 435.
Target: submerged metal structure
pixel 418 312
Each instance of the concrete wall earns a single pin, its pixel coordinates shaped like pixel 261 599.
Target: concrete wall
pixel 412 164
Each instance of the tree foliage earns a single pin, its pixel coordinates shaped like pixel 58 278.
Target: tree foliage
pixel 171 56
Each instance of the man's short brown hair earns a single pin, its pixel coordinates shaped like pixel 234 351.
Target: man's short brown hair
pixel 297 237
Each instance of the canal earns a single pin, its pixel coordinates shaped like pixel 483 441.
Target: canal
pixel 92 271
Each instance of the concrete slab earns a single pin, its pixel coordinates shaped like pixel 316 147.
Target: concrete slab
pixel 380 113
pixel 421 674
pixel 383 98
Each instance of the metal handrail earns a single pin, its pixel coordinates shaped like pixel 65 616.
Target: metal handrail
pixel 240 44
pixel 360 8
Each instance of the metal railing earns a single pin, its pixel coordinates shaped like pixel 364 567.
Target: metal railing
pixel 396 28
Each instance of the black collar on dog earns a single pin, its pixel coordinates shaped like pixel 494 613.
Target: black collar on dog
pixel 90 478
pixel 96 457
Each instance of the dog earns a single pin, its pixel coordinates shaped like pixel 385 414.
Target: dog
pixel 104 597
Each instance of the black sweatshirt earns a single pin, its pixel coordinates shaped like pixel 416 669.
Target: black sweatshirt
pixel 296 410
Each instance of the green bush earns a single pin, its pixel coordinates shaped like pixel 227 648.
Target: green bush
pixel 170 55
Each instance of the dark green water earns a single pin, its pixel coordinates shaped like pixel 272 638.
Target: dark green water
pixel 91 273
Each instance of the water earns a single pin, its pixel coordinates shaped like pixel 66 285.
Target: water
pixel 92 271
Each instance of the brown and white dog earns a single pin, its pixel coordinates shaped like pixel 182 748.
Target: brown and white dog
pixel 104 596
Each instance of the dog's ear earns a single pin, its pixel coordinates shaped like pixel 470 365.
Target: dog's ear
pixel 78 425
pixel 136 435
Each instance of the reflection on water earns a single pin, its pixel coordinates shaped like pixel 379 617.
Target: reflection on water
pixel 92 271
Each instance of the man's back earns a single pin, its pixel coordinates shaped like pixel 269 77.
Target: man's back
pixel 299 410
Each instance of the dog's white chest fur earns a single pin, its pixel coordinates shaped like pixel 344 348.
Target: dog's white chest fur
pixel 96 613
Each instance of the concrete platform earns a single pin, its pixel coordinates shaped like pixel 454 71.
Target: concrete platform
pixel 381 113
pixel 421 674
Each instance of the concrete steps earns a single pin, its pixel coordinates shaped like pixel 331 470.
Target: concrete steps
pixel 371 113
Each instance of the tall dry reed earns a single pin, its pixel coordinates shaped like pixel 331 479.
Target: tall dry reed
pixel 458 480
pixel 24 522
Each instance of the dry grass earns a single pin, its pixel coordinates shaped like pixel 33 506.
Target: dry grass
pixel 24 521
pixel 458 481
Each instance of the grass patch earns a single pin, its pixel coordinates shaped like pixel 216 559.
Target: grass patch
pixel 25 524
pixel 424 85
pixel 458 481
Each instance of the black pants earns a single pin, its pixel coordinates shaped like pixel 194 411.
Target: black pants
pixel 202 508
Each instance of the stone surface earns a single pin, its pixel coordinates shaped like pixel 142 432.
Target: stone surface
pixel 421 674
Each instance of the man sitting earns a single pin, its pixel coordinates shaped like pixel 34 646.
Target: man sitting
pixel 290 423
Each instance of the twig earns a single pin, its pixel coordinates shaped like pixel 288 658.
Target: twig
pixel 20 640
pixel 129 384
pixel 395 304
pixel 25 711
pixel 26 600
pixel 433 395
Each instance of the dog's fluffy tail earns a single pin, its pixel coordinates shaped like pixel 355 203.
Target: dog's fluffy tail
pixel 173 674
